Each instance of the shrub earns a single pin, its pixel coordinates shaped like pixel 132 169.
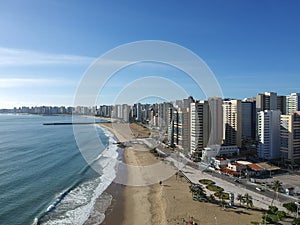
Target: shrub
pixel 296 221
pixel 225 196
pixel 214 188
pixel 272 210
pixel 291 206
pixel 206 182
pixel 270 218
pixel 281 215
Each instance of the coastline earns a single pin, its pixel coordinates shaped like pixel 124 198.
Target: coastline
pixel 169 203
pixel 114 212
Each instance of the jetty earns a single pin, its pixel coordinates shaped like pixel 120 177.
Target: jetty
pixel 76 123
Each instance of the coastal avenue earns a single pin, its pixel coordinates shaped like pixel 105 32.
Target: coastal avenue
pixel 262 199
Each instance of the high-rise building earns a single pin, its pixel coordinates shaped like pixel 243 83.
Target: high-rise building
pixel 125 112
pixel 266 101
pixel 290 137
pixel 182 129
pixel 268 133
pixel 138 112
pixel 292 103
pixel 162 112
pixel 216 115
pixel 248 120
pixel 281 104
pixel 170 122
pixel 199 127
pixel 232 122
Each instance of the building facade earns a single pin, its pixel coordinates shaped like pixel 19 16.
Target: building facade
pixel 266 101
pixel 232 122
pixel 199 127
pixel 290 137
pixel 182 129
pixel 292 103
pixel 268 133
pixel 216 115
pixel 248 120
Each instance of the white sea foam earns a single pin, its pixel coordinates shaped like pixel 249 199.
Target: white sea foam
pixel 78 204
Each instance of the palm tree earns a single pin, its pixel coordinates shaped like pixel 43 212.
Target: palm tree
pixel 197 191
pixel 276 187
pixel 240 198
pixel 201 193
pixel 224 203
pixel 212 198
pixel 221 195
pixel 248 200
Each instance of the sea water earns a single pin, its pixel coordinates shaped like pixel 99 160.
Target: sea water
pixel 43 177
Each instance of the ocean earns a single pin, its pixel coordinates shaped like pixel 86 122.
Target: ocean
pixel 43 177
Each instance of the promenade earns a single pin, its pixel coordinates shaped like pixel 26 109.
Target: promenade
pixel 194 175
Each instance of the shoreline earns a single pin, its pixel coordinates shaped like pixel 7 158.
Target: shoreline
pixel 114 214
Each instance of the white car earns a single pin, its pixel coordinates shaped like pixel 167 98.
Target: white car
pixel 258 189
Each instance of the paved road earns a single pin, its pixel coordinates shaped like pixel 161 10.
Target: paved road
pixel 249 186
pixel 259 200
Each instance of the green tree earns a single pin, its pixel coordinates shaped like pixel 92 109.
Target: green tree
pixel 222 196
pixel 240 198
pixel 291 207
pixel 296 221
pixel 280 215
pixel 224 203
pixel 276 187
pixel 248 200
pixel 212 198
pixel 272 210
pixel 267 219
pixel 197 191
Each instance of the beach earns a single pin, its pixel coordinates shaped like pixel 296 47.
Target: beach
pixel 166 203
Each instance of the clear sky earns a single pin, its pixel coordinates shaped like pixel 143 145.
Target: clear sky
pixel 46 46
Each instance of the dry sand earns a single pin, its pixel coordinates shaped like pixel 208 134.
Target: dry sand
pixel 170 203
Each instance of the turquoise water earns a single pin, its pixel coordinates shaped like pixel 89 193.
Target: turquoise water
pixel 43 177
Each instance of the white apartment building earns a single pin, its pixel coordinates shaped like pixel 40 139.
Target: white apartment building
pixel 268 133
pixel 199 127
pixel 290 137
pixel 182 127
pixel 232 122
pixel 292 103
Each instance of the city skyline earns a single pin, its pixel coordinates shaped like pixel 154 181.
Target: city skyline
pixel 160 101
pixel 251 47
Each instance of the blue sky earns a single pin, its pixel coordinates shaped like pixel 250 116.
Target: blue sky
pixel 46 46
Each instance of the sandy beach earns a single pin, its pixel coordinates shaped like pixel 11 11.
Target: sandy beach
pixel 168 203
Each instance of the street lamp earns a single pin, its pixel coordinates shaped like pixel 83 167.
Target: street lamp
pixel 297 204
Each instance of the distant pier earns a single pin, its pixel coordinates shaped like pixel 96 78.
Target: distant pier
pixel 83 123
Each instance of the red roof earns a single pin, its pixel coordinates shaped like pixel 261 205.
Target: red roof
pixel 255 167
pixel 237 164
pixel 228 171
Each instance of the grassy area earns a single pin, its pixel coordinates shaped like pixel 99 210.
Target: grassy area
pixel 139 131
pixel 214 188
pixel 206 182
pixel 224 196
